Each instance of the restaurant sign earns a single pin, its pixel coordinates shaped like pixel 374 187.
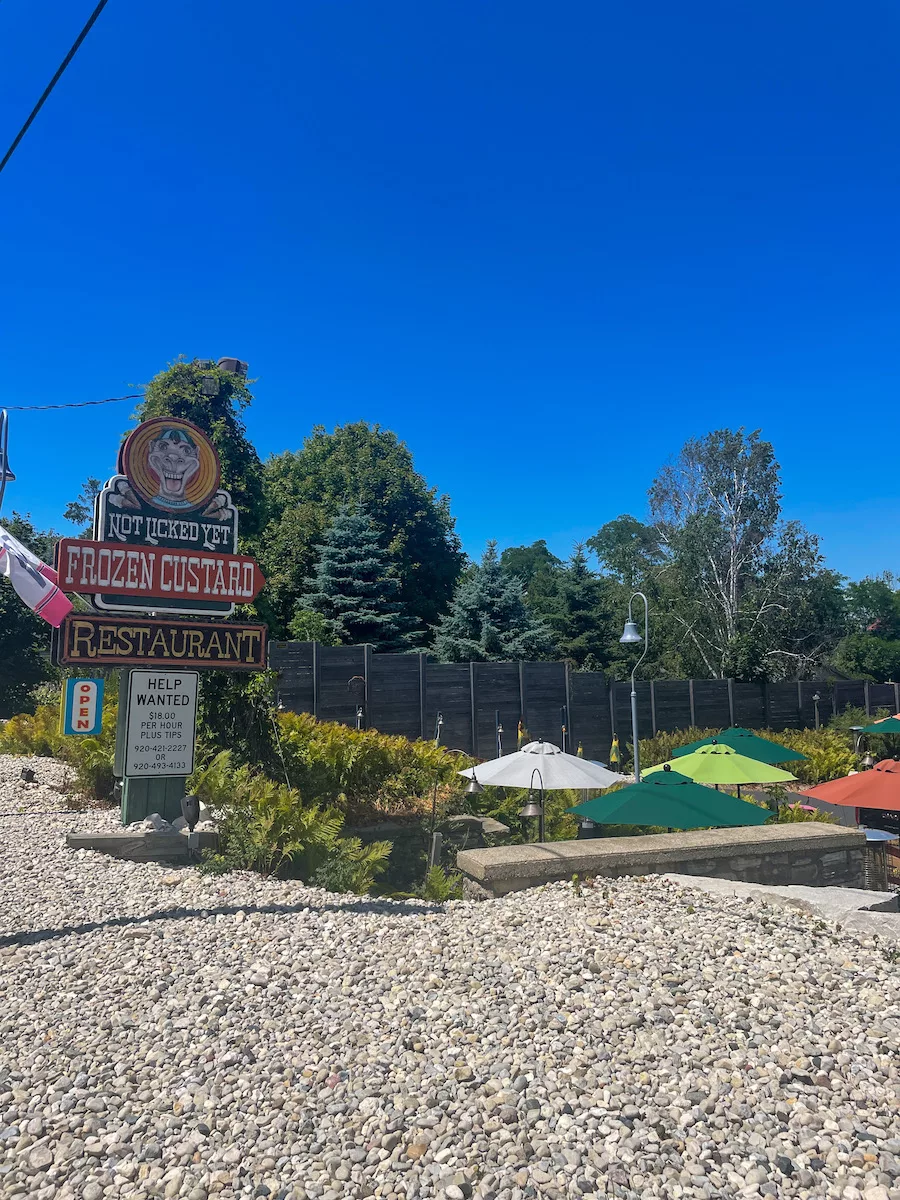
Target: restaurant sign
pixel 94 640
pixel 155 573
pixel 167 495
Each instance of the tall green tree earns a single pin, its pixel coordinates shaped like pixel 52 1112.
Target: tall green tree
pixel 182 391
pixel 736 591
pixel 358 463
pixel 489 620
pixel 581 620
pixel 540 571
pixel 24 637
pixel 354 590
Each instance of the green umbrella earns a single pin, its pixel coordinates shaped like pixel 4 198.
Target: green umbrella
pixel 671 800
pixel 885 725
pixel 718 763
pixel 749 744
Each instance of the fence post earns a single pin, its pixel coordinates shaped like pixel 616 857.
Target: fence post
pixel 653 707
pixel 570 738
pixel 767 709
pixel 367 661
pixel 315 678
pixel 521 699
pixel 799 704
pixel 897 697
pixel 868 703
pixel 472 709
pixel 691 699
pixel 612 707
pixel 422 659
pixel 731 701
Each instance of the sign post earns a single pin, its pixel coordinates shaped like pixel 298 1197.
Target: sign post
pixel 165 548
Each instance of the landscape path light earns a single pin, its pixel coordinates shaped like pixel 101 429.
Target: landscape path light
pixel 533 808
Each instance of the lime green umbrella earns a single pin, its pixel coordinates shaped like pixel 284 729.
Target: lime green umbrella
pixel 746 742
pixel 721 764
pixel 671 800
pixel 885 725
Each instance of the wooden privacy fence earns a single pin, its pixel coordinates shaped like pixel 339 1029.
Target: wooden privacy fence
pixel 404 693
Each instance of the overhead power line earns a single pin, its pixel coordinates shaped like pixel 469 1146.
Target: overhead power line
pixel 82 404
pixel 53 82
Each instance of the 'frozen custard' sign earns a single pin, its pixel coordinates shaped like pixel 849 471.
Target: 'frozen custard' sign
pixel 167 495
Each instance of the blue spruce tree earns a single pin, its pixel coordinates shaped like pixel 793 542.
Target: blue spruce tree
pixel 354 590
pixel 488 620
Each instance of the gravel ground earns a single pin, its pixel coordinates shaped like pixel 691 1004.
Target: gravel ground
pixel 167 1034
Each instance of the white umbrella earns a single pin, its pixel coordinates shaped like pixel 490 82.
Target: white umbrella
pixel 557 769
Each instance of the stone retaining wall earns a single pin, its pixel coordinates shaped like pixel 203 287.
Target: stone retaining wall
pixel 807 853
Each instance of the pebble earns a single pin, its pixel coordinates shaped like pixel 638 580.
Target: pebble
pixel 189 1037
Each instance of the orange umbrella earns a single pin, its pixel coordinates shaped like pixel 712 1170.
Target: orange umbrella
pixel 878 788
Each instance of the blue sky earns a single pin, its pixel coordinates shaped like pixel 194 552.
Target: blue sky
pixel 545 243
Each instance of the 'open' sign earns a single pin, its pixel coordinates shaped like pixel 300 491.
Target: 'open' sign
pixel 82 707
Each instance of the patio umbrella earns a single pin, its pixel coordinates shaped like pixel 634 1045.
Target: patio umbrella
pixel 746 742
pixel 720 764
pixel 878 788
pixel 885 725
pixel 669 799
pixel 557 769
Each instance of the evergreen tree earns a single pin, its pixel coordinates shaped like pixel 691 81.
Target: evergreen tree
pixel 489 620
pixel 354 591
pixel 581 618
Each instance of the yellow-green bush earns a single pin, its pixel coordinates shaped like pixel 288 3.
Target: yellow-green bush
pixel 91 758
pixel 364 772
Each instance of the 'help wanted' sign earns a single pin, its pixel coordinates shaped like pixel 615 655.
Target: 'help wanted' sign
pixel 162 717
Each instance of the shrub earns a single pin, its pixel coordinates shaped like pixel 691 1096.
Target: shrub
pixel 789 814
pixel 364 772
pixel 351 866
pixel 91 758
pixel 441 885
pixel 262 825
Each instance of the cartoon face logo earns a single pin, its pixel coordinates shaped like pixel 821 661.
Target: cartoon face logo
pixel 176 460
pixel 171 465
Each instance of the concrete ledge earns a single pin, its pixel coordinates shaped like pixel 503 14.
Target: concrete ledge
pixel 143 847
pixel 806 853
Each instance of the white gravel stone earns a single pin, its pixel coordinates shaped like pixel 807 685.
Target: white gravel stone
pixel 238 1037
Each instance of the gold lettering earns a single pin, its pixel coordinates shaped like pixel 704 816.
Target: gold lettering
pixel 82 639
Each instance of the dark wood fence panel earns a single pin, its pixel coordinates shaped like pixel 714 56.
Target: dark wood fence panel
pixel 881 695
pixel 447 692
pixel 749 704
pixel 711 703
pixel 294 662
pixel 544 687
pixel 672 699
pixel 393 694
pixel 783 708
pixel 403 693
pixel 589 714
pixel 496 695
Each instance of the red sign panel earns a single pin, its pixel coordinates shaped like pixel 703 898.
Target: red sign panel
pixel 157 573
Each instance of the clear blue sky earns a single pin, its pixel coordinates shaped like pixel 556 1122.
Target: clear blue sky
pixel 545 243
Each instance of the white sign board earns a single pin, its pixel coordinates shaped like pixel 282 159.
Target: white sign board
pixel 162 719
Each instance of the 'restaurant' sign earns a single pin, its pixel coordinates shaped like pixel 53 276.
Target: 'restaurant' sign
pixel 180 577
pixel 167 496
pixel 89 639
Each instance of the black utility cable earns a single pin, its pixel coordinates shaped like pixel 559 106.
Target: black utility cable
pixel 53 82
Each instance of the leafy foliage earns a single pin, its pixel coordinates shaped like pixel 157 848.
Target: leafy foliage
pixel 358 463
pixel 352 866
pixel 736 592
pixel 364 772
pixel 91 758
pixel 489 620
pixel 440 885
pixel 354 590
pixel 263 826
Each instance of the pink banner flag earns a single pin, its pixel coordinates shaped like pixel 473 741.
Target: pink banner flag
pixel 34 582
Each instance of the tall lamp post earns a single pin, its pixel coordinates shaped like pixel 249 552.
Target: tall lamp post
pixel 631 636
